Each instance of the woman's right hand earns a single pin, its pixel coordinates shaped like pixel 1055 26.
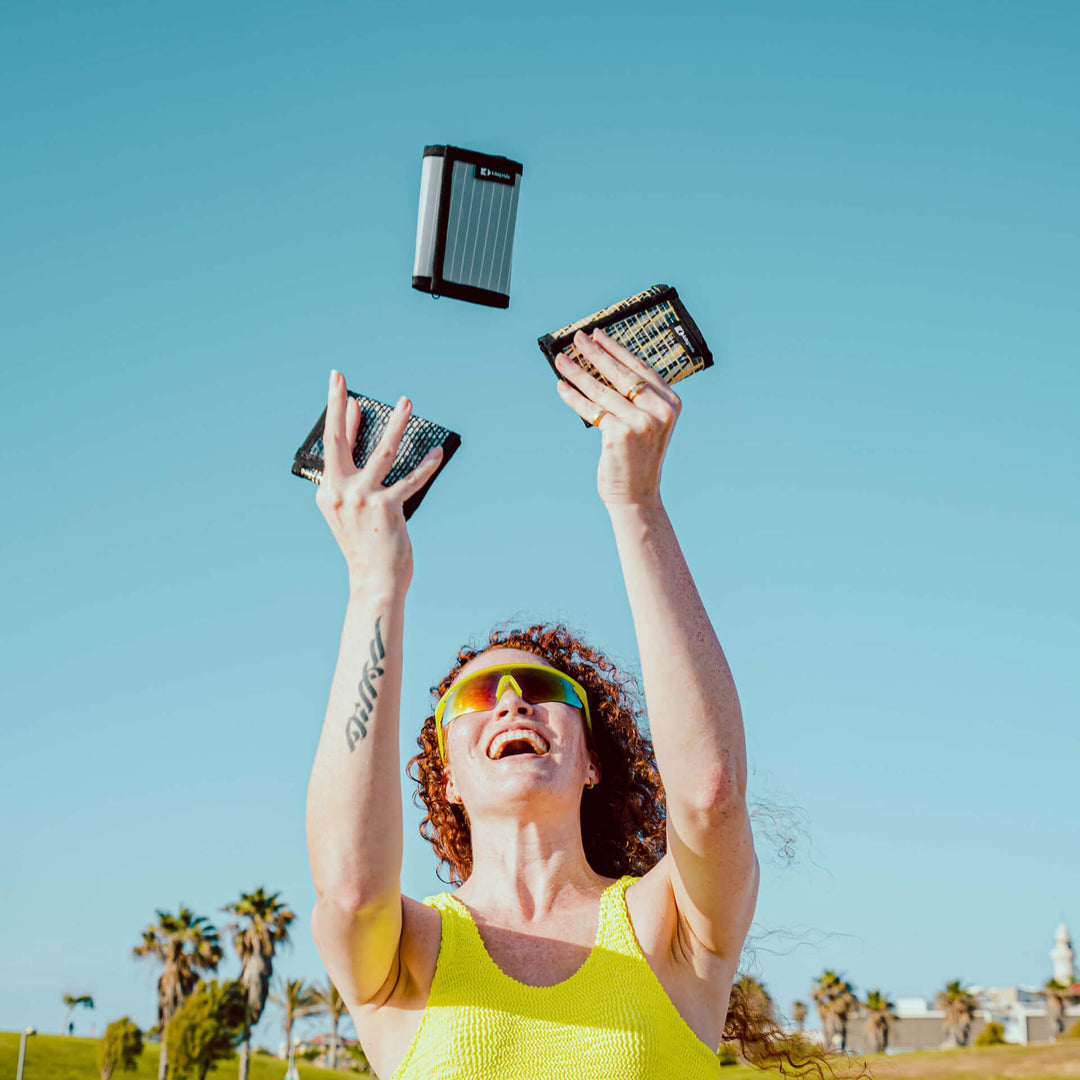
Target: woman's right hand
pixel 365 517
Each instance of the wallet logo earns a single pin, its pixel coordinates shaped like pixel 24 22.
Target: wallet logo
pixel 486 172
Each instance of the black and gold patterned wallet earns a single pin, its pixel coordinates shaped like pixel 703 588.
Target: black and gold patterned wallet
pixel 420 436
pixel 652 324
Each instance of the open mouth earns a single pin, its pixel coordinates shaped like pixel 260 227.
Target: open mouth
pixel 517 743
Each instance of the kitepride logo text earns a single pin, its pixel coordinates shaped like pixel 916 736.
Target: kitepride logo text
pixel 486 172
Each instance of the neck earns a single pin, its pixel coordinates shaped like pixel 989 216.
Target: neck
pixel 528 868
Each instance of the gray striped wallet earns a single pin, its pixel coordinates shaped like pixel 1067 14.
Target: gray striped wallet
pixel 465 227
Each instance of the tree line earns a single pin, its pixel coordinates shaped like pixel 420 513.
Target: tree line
pixel 201 1021
pixel 837 1005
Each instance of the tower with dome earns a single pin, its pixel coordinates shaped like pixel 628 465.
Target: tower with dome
pixel 1061 956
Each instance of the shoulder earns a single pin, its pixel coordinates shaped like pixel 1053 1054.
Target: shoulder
pixel 696 979
pixel 387 1024
pixel 663 930
pixel 421 935
pixel 650 904
pixel 418 955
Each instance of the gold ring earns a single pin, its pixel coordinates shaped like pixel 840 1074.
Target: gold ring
pixel 636 389
pixel 595 421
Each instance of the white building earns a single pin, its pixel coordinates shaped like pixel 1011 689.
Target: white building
pixel 1021 1010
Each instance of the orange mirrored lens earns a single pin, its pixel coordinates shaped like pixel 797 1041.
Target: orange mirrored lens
pixel 474 695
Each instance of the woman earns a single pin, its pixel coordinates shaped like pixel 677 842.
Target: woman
pixel 540 964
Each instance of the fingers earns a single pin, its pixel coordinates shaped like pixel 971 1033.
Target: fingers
pixel 638 368
pixel 625 370
pixel 583 406
pixel 337 450
pixel 382 459
pixel 414 481
pixel 352 423
pixel 588 385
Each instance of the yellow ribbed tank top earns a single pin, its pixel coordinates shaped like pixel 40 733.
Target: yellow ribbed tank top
pixel 611 1020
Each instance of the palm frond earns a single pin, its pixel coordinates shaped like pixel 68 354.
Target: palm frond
pixel 261 924
pixel 186 945
pixel 330 1001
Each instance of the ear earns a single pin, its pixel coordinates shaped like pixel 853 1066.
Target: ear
pixel 448 786
pixel 592 776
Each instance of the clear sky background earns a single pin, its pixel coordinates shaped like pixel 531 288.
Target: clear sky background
pixel 870 209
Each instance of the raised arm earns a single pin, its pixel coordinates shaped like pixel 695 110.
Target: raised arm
pixel 693 709
pixel 354 830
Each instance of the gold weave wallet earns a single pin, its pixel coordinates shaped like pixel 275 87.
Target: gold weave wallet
pixel 652 324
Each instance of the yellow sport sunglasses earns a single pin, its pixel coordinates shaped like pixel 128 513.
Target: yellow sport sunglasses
pixel 480 691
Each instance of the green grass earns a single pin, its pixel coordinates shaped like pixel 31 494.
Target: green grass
pixel 58 1057
pixel 1040 1061
pixel 62 1057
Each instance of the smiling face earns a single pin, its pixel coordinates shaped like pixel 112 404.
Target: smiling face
pixel 519 753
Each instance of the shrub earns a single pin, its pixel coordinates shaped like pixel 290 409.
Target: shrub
pixel 1074 1031
pixel 991 1035
pixel 205 1029
pixel 120 1048
pixel 353 1053
pixel 727 1055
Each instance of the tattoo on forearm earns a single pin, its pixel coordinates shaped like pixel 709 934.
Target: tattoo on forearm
pixel 357 724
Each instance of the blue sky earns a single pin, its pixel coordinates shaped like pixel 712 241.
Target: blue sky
pixel 871 212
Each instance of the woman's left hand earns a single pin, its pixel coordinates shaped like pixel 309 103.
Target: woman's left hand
pixel 634 434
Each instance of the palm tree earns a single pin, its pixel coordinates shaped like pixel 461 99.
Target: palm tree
pixel 1056 994
pixel 332 1004
pixel 959 1008
pixel 798 1013
pixel 71 1001
pixel 262 924
pixel 296 1001
pixel 185 945
pixel 823 992
pixel 879 1011
pixel 835 999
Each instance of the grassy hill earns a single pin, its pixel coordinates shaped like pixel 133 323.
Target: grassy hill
pixel 58 1057
pixel 62 1057
pixel 1057 1061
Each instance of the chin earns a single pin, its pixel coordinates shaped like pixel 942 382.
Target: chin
pixel 527 785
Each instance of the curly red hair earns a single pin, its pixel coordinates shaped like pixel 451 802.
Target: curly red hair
pixel 623 817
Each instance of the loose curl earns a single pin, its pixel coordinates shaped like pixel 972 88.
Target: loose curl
pixel 623 817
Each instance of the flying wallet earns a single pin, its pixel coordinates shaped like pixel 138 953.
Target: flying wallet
pixel 420 436
pixel 465 225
